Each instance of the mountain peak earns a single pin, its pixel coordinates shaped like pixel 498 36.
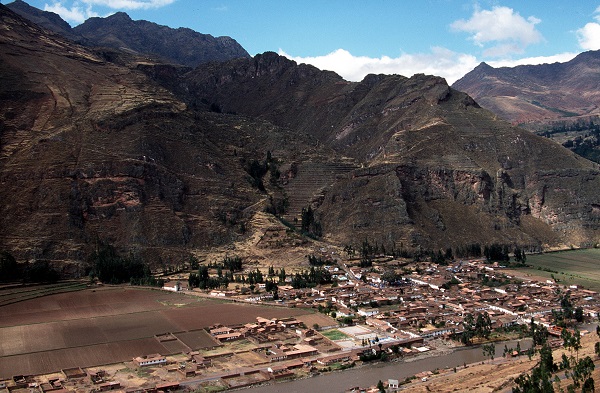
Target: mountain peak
pixel 48 20
pixel 483 66
pixel 119 16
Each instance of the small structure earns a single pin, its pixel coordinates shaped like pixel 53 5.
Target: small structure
pixel 150 360
pixel 75 372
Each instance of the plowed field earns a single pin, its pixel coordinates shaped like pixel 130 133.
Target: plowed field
pixel 110 325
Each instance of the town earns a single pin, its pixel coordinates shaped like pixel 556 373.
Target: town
pixel 388 310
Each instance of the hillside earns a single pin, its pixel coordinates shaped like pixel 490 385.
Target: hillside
pixel 93 151
pixel 437 169
pixel 165 162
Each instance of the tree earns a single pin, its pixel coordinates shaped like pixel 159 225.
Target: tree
pixel 307 217
pixel 539 334
pixel 540 379
pixel 578 314
pixel 489 350
pixel 483 325
pixel 468 329
pixel 380 386
pixel 282 275
pixel 582 372
pixel 8 266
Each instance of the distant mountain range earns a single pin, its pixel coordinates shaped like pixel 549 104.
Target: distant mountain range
pixel 181 46
pixel 164 161
pixel 538 94
pixel 560 101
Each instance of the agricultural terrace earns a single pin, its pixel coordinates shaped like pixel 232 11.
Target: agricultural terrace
pixel 576 267
pixel 110 325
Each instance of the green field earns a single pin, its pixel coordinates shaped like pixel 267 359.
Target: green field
pixel 577 267
pixel 334 334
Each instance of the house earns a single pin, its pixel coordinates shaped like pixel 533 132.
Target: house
pixel 173 286
pixel 339 358
pixel 150 360
pixel 368 312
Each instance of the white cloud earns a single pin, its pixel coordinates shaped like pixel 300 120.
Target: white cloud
pixel 130 4
pixel 441 62
pixel 558 58
pixel 589 35
pixel 506 29
pixel 80 10
pixel 76 14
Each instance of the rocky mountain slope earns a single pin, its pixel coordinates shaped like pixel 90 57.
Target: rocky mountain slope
pixel 537 94
pixel 180 46
pixel 94 151
pixel 437 169
pixel 162 162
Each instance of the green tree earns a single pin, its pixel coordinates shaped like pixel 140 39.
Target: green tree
pixel 8 266
pixel 582 372
pixel 489 350
pixel 282 275
pixel 540 379
pixel 483 325
pixel 380 386
pixel 468 329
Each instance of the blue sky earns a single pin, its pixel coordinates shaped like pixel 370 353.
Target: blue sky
pixel 356 37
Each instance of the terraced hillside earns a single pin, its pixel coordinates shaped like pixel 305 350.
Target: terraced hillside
pixel 309 183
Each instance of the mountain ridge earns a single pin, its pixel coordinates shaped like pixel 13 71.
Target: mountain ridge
pixel 167 162
pixel 118 31
pixel 538 94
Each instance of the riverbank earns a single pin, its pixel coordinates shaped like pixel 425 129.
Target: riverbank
pixel 442 361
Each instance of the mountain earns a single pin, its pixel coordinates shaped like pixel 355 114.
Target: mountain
pixel 436 168
pixel 92 151
pixel 538 94
pixel 180 46
pixel 48 20
pixel 165 162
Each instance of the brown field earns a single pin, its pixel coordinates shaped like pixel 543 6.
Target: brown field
pixel 198 339
pixel 309 319
pixel 109 325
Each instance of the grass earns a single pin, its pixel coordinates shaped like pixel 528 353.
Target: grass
pixel 577 267
pixel 334 334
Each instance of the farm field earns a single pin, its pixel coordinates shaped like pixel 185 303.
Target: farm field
pixel 576 267
pixel 111 324
pixel 18 294
pixel 334 334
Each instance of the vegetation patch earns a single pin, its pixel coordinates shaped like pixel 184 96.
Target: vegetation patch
pixel 334 334
pixel 576 267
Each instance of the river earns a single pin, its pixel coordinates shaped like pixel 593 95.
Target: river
pixel 369 375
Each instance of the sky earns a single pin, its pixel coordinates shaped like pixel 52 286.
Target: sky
pixel 447 38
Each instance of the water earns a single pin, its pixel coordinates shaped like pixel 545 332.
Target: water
pixel 369 375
